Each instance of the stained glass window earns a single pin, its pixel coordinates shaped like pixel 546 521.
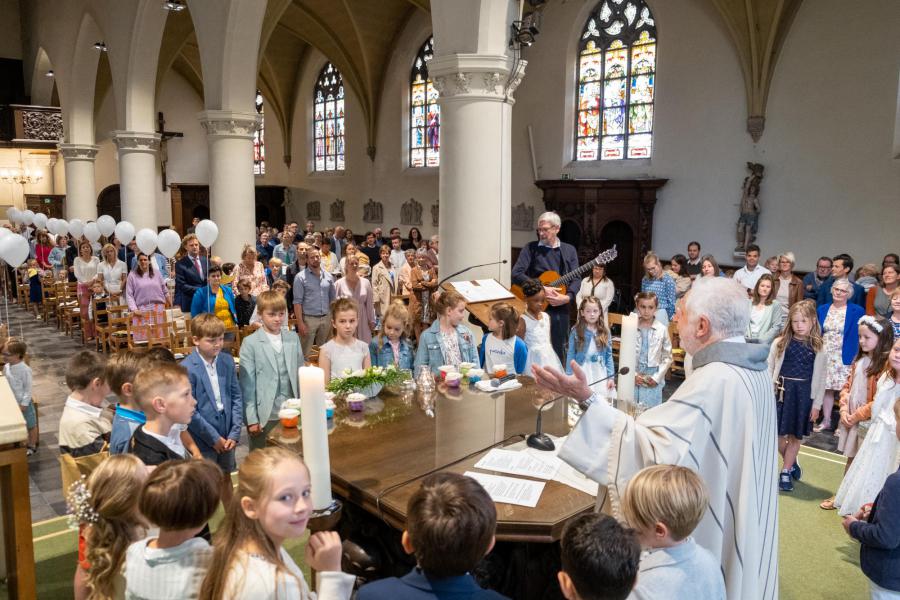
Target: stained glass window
pixel 616 79
pixel 424 112
pixel 259 140
pixel 328 120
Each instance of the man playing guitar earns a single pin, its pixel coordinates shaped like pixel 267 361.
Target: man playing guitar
pixel 550 254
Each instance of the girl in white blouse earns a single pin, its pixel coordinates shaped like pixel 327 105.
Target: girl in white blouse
pixel 344 350
pixel 600 286
pixel 272 504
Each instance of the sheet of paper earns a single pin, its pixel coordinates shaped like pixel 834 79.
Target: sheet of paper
pixel 564 474
pixel 482 290
pixel 510 490
pixel 517 463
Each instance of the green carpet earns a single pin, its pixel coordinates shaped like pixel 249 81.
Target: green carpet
pixel 817 559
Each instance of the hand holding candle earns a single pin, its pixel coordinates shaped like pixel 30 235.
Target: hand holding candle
pixel 315 434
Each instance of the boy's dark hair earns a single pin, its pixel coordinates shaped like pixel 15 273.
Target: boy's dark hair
pixel 181 494
pixel 159 354
pixel 227 268
pixel 83 368
pixel 530 287
pixel 122 368
pixel 214 268
pixel 846 259
pixel 600 557
pixel 16 347
pixel 752 248
pixel 451 522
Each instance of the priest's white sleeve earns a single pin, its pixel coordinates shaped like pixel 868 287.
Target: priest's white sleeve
pixel 588 445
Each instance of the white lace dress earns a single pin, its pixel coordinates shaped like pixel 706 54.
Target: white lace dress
pixel 877 456
pixel 345 357
pixel 537 339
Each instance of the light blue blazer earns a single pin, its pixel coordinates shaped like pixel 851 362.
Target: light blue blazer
pixel 259 373
pixel 208 424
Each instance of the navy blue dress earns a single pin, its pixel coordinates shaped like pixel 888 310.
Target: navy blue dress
pixel 794 404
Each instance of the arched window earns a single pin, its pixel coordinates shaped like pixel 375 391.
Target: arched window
pixel 328 120
pixel 259 140
pixel 424 112
pixel 616 77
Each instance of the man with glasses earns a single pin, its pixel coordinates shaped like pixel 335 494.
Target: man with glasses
pixel 841 267
pixel 550 254
pixel 814 280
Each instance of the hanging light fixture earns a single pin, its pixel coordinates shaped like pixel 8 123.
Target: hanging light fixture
pixel 21 174
pixel 101 46
pixel 49 73
pixel 174 5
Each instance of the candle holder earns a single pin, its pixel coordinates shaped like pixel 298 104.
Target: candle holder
pixel 327 518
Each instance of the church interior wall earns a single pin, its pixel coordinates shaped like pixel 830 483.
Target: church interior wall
pixel 11 40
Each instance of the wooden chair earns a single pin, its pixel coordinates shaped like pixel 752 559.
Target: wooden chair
pixel 232 345
pixel 182 343
pixel 152 330
pixel 103 310
pixel 49 291
pixel 615 319
pixel 677 352
pixel 114 336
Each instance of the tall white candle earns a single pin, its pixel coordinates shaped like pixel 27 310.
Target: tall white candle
pixel 315 434
pixel 627 357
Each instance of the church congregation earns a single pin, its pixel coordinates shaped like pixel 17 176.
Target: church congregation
pixel 254 353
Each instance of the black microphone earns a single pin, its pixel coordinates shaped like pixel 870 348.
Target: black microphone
pixel 496 262
pixel 541 441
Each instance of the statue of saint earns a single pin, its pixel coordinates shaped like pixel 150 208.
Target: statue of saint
pixel 748 222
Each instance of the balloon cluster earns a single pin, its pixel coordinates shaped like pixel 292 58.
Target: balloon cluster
pixel 14 248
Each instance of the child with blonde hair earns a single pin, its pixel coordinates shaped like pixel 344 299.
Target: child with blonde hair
pixel 106 510
pixel 500 345
pixel 797 367
pixel 344 350
pixel 391 346
pixel 664 504
pixel 447 341
pixel 271 505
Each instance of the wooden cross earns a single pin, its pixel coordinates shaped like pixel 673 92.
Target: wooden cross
pixel 164 137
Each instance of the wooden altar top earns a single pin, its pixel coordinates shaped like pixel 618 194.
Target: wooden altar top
pixel 379 457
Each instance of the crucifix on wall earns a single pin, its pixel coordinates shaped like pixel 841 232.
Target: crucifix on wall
pixel 164 137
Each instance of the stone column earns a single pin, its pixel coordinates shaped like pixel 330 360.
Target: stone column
pixel 475 206
pixel 81 199
pixel 232 194
pixel 137 176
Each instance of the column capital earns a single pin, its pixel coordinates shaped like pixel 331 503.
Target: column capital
pixel 481 76
pixel 136 141
pixel 77 151
pixel 229 123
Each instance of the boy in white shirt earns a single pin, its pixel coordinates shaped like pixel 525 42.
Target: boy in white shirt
pixel 18 374
pixel 664 504
pixel 82 428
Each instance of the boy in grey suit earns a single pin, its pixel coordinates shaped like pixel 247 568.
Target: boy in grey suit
pixel 270 358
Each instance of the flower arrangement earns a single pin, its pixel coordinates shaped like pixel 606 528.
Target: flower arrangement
pixel 363 379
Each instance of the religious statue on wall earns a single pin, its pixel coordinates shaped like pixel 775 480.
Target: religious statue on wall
pixel 435 214
pixel 373 212
pixel 313 211
pixel 523 217
pixel 748 222
pixel 411 213
pixel 337 210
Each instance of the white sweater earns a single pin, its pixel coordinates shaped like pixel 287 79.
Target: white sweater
pixel 254 578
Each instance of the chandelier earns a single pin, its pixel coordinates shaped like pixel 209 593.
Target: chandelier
pixel 21 175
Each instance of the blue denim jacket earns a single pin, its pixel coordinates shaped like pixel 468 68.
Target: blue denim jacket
pixel 431 350
pixel 385 356
pixel 605 353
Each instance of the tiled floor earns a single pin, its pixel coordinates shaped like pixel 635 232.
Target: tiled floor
pixel 50 350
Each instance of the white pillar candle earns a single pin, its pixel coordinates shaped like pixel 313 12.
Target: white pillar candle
pixel 627 357
pixel 315 434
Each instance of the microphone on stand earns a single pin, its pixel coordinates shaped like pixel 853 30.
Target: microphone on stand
pixel 541 441
pixel 496 262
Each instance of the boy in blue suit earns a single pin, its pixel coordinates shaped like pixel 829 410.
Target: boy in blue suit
pixel 217 420
pixel 450 527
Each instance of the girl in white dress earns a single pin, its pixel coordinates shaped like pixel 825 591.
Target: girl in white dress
pixel 534 328
pixel 343 351
pixel 272 504
pixel 877 456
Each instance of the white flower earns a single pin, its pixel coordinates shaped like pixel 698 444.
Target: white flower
pixel 347 371
pixel 357 373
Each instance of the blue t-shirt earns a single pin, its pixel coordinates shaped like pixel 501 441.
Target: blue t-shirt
pixel 123 426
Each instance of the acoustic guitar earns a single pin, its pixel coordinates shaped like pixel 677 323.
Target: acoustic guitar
pixel 553 279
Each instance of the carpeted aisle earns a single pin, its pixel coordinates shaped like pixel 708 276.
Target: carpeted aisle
pixel 817 559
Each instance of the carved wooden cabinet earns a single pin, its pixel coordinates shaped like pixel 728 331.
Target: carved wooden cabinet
pixel 597 213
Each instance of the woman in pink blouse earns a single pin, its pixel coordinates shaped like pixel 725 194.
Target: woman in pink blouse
pixel 145 292
pixel 358 289
pixel 252 269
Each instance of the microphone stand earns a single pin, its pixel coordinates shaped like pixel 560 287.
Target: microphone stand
pixel 540 440
pixel 496 262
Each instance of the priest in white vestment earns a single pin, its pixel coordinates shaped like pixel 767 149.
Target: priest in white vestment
pixel 720 422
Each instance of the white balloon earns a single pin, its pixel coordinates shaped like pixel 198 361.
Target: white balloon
pixel 76 227
pixel 51 225
pixel 124 232
pixel 146 241
pixel 106 224
pixel 169 242
pixel 91 232
pixel 62 227
pixel 207 232
pixel 40 221
pixel 12 210
pixel 4 232
pixel 14 250
pixel 28 217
